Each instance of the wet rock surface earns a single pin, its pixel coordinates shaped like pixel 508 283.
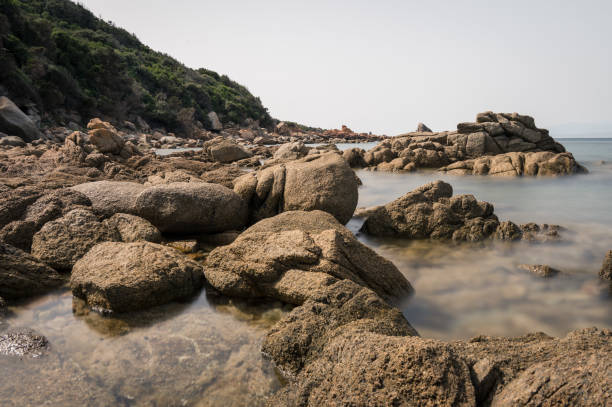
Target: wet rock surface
pixel 540 270
pixel 22 343
pixel 22 275
pixel 432 212
pixel 290 255
pixel 318 182
pixel 122 277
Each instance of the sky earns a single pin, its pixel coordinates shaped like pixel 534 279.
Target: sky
pixel 383 66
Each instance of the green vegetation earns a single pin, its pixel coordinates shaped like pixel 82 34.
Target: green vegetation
pixel 57 55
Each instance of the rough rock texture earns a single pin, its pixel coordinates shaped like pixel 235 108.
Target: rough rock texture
pixel 289 256
pixel 134 229
pixel 16 123
pixel 11 141
pixel 22 275
pixel 431 211
pixel 368 369
pixel 124 277
pixel 324 182
pixel 537 370
pixel 298 338
pixel 15 202
pixel 606 268
pixel 291 151
pixel 110 197
pixel 226 150
pixel 543 163
pixel 60 243
pixel 192 208
pixel 497 144
pixel 22 342
pixel 48 207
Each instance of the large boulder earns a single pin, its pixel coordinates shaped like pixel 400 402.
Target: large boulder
pixel 16 123
pixel 318 182
pixel 432 212
pixel 289 256
pixel 121 277
pixel 291 151
pixel 298 337
pixel 110 197
pixel 22 275
pixel 226 150
pixel 184 207
pixel 360 368
pixel 215 123
pixel 60 243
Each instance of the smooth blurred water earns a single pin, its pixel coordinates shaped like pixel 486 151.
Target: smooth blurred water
pixel 470 289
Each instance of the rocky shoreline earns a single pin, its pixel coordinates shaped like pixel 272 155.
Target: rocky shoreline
pixel 99 211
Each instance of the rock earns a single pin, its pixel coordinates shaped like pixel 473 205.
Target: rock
pixel 15 202
pixel 60 243
pixel 291 151
pixel 300 336
pixel 290 255
pixel 422 128
pixel 184 207
pixel 226 150
pixel 123 277
pixel 16 123
pixel 508 231
pixel 22 275
pixel 110 197
pixel 104 136
pixel 22 343
pixel 215 123
pixel 134 229
pixel 12 141
pixel 540 270
pixel 324 182
pixel 606 269
pixel 364 369
pixel 354 157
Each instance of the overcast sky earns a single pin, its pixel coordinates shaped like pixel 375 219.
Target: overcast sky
pixel 383 66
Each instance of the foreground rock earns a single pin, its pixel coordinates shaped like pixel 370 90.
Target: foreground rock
pixel 432 212
pixel 134 229
pixel 295 340
pixel 290 256
pixel 324 182
pixel 606 268
pixel 16 123
pixel 110 197
pixel 60 243
pixel 192 208
pixel 500 144
pixel 121 277
pixel 22 275
pixel 22 343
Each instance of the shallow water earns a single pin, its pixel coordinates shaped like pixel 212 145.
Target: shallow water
pixel 206 352
pixel 168 151
pixel 470 289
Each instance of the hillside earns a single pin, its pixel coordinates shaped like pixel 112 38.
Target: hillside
pixel 57 56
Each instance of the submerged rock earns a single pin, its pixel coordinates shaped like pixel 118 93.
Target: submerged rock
pixel 606 268
pixel 60 243
pixel 432 212
pixel 123 277
pixel 540 270
pixel 289 256
pixel 22 275
pixel 318 182
pixel 22 342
